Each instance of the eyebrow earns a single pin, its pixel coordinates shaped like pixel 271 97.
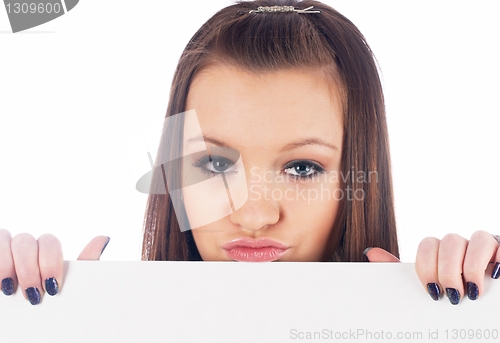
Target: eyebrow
pixel 309 141
pixel 287 147
pixel 201 138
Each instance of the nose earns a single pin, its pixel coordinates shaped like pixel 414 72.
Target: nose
pixel 259 211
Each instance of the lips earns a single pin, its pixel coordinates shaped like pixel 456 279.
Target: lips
pixel 260 250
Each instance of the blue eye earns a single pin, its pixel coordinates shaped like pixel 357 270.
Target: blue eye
pixel 303 169
pixel 214 165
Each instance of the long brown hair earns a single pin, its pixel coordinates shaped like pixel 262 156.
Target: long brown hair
pixel 260 42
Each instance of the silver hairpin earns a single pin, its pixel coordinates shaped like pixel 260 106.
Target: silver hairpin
pixel 273 9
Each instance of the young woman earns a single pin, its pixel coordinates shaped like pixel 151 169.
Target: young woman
pixel 275 148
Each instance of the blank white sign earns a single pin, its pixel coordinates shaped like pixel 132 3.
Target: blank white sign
pixel 246 302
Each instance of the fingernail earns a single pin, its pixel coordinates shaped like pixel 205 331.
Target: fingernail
pixel 496 271
pixel 8 286
pixel 472 291
pixel 366 250
pixel 105 245
pixel 51 286
pixel 434 290
pixel 33 295
pixel 453 295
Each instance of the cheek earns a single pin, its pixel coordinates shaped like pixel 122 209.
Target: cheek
pixel 312 211
pixel 205 243
pixel 206 202
pixel 208 239
pixel 214 197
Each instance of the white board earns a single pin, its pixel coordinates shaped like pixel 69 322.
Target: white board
pixel 245 302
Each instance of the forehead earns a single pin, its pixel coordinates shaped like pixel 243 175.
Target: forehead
pixel 268 108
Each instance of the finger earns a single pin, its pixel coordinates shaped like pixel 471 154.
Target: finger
pixel 450 262
pixel 94 249
pixel 379 255
pixel 25 254
pixel 482 246
pixel 50 260
pixel 426 266
pixel 495 273
pixel 7 270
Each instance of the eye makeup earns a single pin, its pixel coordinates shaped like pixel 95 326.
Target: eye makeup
pixel 301 170
pixel 215 165
pixel 298 170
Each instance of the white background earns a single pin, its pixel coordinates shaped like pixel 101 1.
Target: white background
pixel 77 95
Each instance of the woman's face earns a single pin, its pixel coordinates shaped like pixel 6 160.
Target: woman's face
pixel 274 143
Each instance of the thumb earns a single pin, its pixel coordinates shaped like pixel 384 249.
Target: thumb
pixel 379 255
pixel 94 249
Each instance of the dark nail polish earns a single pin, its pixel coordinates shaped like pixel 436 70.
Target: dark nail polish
pixel 51 286
pixel 105 245
pixel 472 291
pixel 434 290
pixel 33 295
pixel 8 286
pixel 496 271
pixel 453 295
pixel 366 250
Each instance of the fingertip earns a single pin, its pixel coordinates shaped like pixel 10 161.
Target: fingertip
pixel 33 295
pixel 8 286
pixel 24 248
pixel 472 290
pixel 454 295
pixel 434 291
pixel 105 244
pixel 7 270
pixel 375 254
pixel 94 248
pixel 51 286
pixel 368 252
pixel 51 263
pixel 495 273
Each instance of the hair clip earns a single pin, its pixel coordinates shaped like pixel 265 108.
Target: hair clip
pixel 273 9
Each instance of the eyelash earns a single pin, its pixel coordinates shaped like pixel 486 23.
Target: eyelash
pixel 315 167
pixel 202 162
pixel 318 170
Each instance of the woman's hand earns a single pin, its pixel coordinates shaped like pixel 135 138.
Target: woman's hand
pixel 453 265
pixel 37 265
